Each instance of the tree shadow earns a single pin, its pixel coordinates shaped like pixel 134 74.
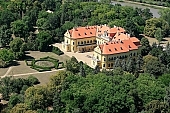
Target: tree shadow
pixel 26 57
pixel 164 40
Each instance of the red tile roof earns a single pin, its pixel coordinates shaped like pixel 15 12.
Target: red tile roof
pixel 117 47
pixel 83 32
pixel 91 31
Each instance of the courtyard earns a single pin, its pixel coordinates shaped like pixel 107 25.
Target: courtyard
pixel 84 57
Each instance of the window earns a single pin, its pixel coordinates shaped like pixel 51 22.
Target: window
pixel 111 64
pixel 133 54
pixel 90 41
pixel 97 57
pixel 73 48
pixel 84 42
pixel 104 59
pixel 87 41
pixel 73 43
pixel 103 65
pixel 108 65
pixel 78 43
pixel 81 42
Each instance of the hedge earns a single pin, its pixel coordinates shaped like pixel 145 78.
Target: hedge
pixel 57 51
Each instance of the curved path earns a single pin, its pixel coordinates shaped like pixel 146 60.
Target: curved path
pixel 28 73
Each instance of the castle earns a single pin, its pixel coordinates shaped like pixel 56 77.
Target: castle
pixel 107 43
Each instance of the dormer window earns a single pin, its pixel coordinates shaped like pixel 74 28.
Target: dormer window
pixel 115 49
pixel 129 46
pixel 79 34
pixel 110 50
pixel 90 32
pixel 85 33
pixel 121 48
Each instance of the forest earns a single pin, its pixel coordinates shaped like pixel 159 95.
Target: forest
pixel 138 85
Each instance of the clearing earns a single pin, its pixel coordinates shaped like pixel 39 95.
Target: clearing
pixel 163 42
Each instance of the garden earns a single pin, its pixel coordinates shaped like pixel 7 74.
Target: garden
pixel 44 64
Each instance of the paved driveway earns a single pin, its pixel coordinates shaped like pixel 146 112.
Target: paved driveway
pixel 80 56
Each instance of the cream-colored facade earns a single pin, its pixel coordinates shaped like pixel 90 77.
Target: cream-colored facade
pixel 91 41
pixel 72 44
pixel 107 61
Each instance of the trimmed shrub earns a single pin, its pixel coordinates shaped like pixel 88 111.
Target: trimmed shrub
pixel 27 62
pixel 57 51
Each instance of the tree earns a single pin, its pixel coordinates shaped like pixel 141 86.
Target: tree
pixel 165 14
pixel 153 24
pixel 17 48
pixel 19 28
pixel 123 65
pixel 44 39
pixel 149 88
pixel 16 44
pixel 165 79
pixel 72 65
pixel 6 18
pixel 158 35
pixel 155 106
pixel 57 104
pixel 5 35
pixel 14 99
pixel 82 71
pixel 6 55
pixel 139 62
pixel 145 46
pixel 154 67
pixel 96 69
pixel 33 80
pixel 117 63
pixel 89 95
pixel 131 66
pixel 36 97
pixel 21 108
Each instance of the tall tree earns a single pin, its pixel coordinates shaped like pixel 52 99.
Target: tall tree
pixel 19 28
pixel 82 71
pixel 158 35
pixel 145 46
pixel 5 35
pixel 117 63
pixel 44 39
pixel 131 66
pixel 139 62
